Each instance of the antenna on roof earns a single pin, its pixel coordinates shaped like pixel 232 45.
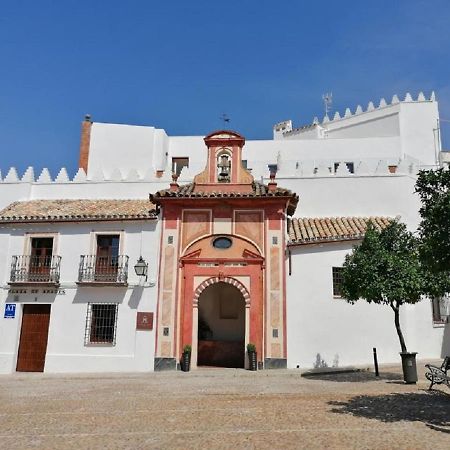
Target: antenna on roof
pixel 225 118
pixel 327 102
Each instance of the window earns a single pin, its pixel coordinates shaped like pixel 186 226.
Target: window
pixel 101 323
pixel 107 257
pixel 337 281
pixel 441 309
pixel 222 242
pixel 350 167
pixel 41 258
pixel 178 164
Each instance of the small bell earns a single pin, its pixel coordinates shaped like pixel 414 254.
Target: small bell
pixel 224 169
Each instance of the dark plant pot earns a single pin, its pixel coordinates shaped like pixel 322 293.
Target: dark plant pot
pixel 186 361
pixel 409 367
pixel 252 361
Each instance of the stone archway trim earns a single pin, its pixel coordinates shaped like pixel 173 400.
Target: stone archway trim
pixel 210 281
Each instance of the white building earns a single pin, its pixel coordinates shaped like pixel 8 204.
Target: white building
pixel 72 302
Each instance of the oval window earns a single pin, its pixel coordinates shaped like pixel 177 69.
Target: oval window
pixel 222 242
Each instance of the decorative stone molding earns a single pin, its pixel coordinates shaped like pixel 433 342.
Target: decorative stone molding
pixel 210 281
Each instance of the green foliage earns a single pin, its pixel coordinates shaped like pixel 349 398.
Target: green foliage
pixel 433 187
pixel 385 268
pixel 251 348
pixel 187 348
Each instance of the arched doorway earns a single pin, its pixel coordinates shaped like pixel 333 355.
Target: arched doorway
pixel 221 326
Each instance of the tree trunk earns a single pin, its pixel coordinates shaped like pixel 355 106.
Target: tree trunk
pixel 396 309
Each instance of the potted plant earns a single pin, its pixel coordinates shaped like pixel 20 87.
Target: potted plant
pixel 252 360
pixel 186 358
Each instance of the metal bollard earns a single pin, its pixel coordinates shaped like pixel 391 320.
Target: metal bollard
pixel 375 362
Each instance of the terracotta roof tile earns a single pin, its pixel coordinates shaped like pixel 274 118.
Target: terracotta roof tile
pixel 77 210
pixel 258 190
pixel 307 230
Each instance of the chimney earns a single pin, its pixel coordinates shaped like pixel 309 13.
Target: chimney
pixel 272 184
pixel 174 185
pixel 85 142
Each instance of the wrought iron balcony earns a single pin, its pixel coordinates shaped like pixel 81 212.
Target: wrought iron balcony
pixel 29 269
pixel 103 270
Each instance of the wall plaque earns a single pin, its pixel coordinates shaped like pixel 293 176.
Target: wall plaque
pixel 144 321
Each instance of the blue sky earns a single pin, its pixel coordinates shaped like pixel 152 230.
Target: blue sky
pixel 179 65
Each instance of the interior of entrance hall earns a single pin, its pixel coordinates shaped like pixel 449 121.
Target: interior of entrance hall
pixel 221 326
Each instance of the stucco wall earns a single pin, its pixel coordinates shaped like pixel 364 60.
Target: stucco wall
pixel 66 350
pixel 343 333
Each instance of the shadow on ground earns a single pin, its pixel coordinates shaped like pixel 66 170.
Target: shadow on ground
pixel 355 377
pixel 432 407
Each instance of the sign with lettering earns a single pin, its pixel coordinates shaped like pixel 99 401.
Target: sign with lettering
pixel 144 321
pixel 10 311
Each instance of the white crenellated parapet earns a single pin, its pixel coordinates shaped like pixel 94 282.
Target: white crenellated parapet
pixel 28 176
pixel 11 176
pixel 382 167
pixel 133 175
pixel 62 177
pixel 322 171
pixel 421 97
pixel 403 166
pixel 80 176
pixel 362 168
pixel 45 176
pixel 382 104
pixel 98 175
pixel 149 175
pixel 116 175
pixel 342 169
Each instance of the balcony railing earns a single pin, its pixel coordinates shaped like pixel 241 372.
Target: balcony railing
pixel 35 269
pixel 103 269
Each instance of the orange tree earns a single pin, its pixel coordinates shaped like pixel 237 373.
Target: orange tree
pixel 385 269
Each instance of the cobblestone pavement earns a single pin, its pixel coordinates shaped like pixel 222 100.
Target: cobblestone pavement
pixel 222 408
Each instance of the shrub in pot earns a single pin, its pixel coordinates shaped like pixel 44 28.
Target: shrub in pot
pixel 252 357
pixel 186 358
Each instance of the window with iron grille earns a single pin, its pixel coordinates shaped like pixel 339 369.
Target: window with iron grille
pixel 101 323
pixel 337 281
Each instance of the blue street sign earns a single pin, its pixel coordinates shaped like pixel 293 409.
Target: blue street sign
pixel 10 311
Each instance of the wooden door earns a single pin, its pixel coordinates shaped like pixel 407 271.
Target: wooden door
pixel 41 259
pixel 107 258
pixel 33 338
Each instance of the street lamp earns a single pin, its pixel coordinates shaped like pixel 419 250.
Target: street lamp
pixel 141 268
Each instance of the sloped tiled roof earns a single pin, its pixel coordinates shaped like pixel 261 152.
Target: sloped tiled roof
pixel 258 190
pixel 77 210
pixel 308 230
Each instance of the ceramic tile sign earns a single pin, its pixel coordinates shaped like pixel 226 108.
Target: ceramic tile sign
pixel 144 321
pixel 10 311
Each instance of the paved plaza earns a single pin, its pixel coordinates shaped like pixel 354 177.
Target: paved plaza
pixel 222 408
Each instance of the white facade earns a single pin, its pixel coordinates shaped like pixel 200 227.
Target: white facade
pixel 360 164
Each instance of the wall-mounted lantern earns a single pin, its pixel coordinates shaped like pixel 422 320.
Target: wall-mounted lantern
pixel 141 268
